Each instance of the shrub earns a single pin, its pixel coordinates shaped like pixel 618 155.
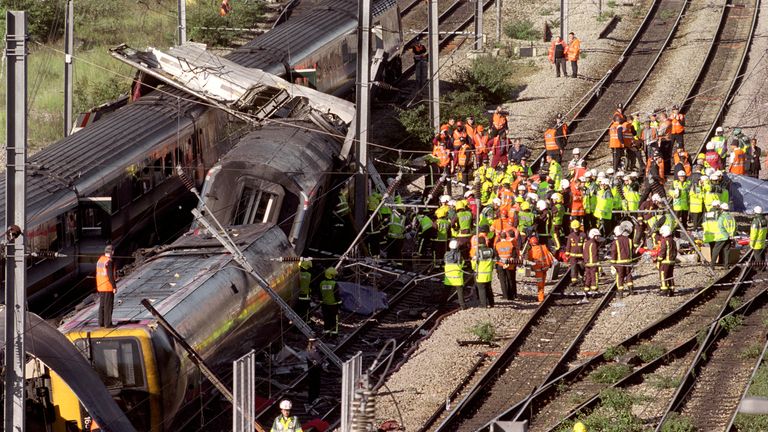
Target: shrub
pixel 611 373
pixel 662 381
pixel 205 13
pixel 486 332
pixel 612 353
pixel 752 351
pixel 89 94
pixel 462 104
pixel 522 29
pixel 677 423
pixel 650 351
pixel 489 77
pixel 45 19
pixel 731 322
pixel 416 122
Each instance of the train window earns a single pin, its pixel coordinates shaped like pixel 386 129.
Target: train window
pixel 118 361
pixel 258 203
pixel 168 165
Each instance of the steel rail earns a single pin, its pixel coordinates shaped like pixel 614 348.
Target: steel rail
pixel 755 369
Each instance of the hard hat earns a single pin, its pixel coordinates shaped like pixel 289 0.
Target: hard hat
pixel 519 199
pixel 451 203
pixel 460 205
pixel 600 175
pixel 480 128
pixel 593 172
pixel 627 178
pixel 609 171
pixel 605 182
pixel 286 404
pixel 626 225
pixel 556 197
pixel 719 129
pixel 737 131
pixel 497 201
pixel 525 205
pixel 717 174
pixel 445 198
pixel 441 212
pixel 532 196
pixel 305 264
pixel 588 174
pixel 656 198
pixel 665 231
pixel 575 224
pixel 716 203
pixel 634 174
pixel 564 184
pixel 710 146
pixel 724 206
pixel 620 174
pixel 534 241
pixel 709 171
pixel 579 427
pixel 469 193
pixel 758 210
pixel 577 151
pixel 453 244
pixel 330 273
pixel 582 179
pixel 713 177
pixel 594 232
pixel 541 205
pixel 701 156
pixel 617 231
pixel 681 173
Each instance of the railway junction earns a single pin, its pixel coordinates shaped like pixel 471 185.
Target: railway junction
pixel 582 253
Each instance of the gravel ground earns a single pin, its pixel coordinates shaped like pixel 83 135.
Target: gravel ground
pixel 671 78
pixel 747 107
pixel 654 400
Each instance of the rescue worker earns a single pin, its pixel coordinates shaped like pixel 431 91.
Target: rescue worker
pixel 518 151
pixel 558 214
pixel 592 261
pixel 314 371
pixel 225 8
pixel 420 59
pixel 681 198
pixel 726 229
pixel 557 55
pixel 555 173
pixel 754 163
pixel 577 199
pixel 621 257
pixel 667 253
pixel 718 142
pixel 440 239
pixel 425 230
pixel 462 227
pixel 454 273
pixel 574 251
pixel 604 206
pixel 616 141
pixel 631 201
pixel 480 141
pixel 737 160
pixel 499 119
pixel 482 264
pixel 506 253
pixel 106 287
pixel 757 235
pixel 329 294
pixel 395 235
pixel 696 204
pixel 574 49
pixel 305 289
pixel 541 259
pixel 628 135
pixel 525 218
pixel 285 422
pixel 677 120
pixel 712 159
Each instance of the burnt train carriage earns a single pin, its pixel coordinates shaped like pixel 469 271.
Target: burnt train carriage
pixel 199 288
pixel 110 181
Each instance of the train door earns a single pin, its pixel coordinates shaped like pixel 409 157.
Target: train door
pixel 95 230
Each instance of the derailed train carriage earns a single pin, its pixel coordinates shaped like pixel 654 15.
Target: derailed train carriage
pixel 270 187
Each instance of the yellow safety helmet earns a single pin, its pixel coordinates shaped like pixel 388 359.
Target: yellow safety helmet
pixel 330 273
pixel 579 427
pixel 305 264
pixel 525 206
pixel 441 212
pixel 575 224
pixel 460 204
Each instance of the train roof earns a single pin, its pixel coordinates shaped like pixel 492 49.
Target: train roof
pixel 172 277
pixel 303 33
pixel 78 161
pixel 290 155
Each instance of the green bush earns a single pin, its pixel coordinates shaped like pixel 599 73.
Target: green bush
pixel 416 122
pixel 45 18
pixel 614 352
pixel 463 104
pixel 662 381
pixel 522 29
pixel 650 351
pixel 677 423
pixel 488 77
pixel 485 331
pixel 610 373
pixel 731 322
pixel 89 94
pixel 611 3
pixel 205 13
pixel 752 351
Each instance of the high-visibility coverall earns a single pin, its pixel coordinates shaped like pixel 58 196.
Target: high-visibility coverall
pixel 757 235
pixel 591 265
pixel 542 260
pixel 621 256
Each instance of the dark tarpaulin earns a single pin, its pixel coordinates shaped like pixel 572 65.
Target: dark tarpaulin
pixel 747 192
pixel 46 343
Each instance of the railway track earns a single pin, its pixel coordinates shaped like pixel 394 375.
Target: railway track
pixel 712 387
pixel 624 80
pixel 680 351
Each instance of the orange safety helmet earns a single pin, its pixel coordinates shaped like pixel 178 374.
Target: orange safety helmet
pixel 534 241
pixel 480 128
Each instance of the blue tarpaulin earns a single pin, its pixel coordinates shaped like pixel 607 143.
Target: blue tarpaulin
pixel 747 192
pixel 361 299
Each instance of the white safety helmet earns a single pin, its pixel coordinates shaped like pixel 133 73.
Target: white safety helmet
pixel 541 205
pixel 588 175
pixel 717 174
pixel 758 210
pixel 445 198
pixel 724 206
pixel 634 174
pixel 601 175
pixel 594 232
pixel 713 177
pixel 618 230
pixel 627 178
pixel 497 201
pixel 564 184
pixel 620 174
pixel 681 173
pixel 557 197
pixel 609 171
pixel 626 226
pixel 285 404
pixel 521 187
pixel 715 203
pixel 656 198
pixel 576 151
pixel 665 231
pixel 453 244
pixel 710 145
pixel 605 181
pixel 469 193
pixel 719 129
pixel 583 179
pixel 709 171
pixel 452 203
pixel 593 172
pixel 532 196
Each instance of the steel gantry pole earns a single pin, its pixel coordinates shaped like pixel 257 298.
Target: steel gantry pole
pixel 182 21
pixel 363 105
pixel 69 48
pixel 15 218
pixel 479 25
pixel 564 19
pixel 434 67
pixel 498 21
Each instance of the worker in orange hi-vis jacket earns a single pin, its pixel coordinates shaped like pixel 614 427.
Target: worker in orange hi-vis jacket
pixel 541 259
